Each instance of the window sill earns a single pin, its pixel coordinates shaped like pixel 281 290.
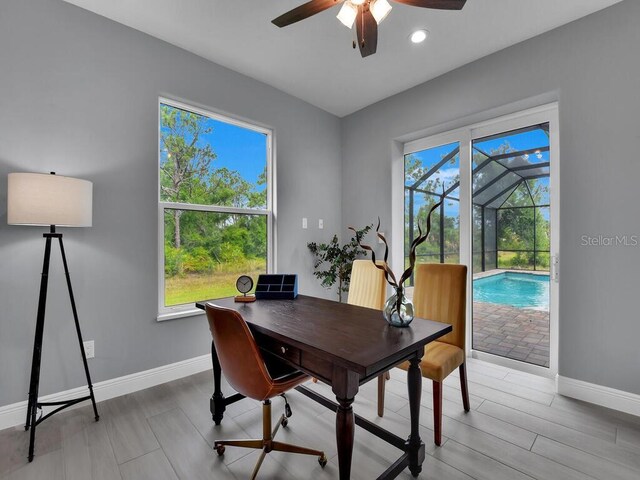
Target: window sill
pixel 173 315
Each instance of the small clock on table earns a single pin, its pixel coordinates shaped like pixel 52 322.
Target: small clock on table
pixel 244 284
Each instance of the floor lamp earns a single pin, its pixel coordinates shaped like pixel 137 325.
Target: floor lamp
pixel 50 200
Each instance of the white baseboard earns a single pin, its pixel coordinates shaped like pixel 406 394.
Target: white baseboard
pixel 15 414
pixel 604 396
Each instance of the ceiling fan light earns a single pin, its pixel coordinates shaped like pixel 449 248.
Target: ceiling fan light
pixel 356 2
pixel 418 36
pixel 347 14
pixel 380 9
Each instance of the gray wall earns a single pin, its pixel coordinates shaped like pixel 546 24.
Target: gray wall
pixel 592 67
pixel 78 95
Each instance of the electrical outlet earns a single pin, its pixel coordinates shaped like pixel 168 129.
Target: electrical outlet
pixel 89 349
pixel 304 222
pixel 320 224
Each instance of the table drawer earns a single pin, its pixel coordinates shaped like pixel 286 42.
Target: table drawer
pixel 280 349
pixel 321 367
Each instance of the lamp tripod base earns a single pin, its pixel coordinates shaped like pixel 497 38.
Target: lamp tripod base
pixel 34 384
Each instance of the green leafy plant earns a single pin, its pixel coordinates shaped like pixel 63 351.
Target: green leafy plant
pixel 333 261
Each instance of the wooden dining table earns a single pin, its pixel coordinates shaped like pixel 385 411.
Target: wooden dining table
pixel 344 346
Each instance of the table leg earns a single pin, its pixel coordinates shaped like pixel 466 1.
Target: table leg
pixel 345 432
pixel 345 386
pixel 217 404
pixel 415 446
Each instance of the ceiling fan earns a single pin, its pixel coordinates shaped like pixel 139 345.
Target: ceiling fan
pixel 366 14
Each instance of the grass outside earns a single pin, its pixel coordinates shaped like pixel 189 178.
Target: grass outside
pixel 509 260
pixel 519 261
pixel 435 258
pixel 195 287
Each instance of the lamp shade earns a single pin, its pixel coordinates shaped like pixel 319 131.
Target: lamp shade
pixel 42 199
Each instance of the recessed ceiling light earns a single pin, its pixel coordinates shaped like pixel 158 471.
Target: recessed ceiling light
pixel 419 36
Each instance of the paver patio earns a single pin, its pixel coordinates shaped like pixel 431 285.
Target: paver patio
pixel 517 333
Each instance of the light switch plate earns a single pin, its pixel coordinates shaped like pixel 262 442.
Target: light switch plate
pixel 89 349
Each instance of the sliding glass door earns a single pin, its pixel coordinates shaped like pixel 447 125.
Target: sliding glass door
pixel 499 184
pixel 511 244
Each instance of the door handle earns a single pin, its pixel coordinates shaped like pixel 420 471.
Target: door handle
pixel 555 267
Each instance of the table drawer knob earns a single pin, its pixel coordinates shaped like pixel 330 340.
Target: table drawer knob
pixel 283 349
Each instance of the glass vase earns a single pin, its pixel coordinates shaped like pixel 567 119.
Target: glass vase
pixel 398 309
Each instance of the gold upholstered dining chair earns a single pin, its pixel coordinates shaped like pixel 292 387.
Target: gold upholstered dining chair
pixel 440 294
pixel 368 288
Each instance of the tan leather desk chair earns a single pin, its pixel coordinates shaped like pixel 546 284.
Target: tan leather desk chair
pixel 368 288
pixel 440 294
pixel 245 370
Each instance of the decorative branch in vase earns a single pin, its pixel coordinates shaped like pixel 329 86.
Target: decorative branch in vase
pixel 398 309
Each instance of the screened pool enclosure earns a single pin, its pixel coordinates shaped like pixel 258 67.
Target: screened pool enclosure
pixel 510 229
pixel 510 188
pixel 511 203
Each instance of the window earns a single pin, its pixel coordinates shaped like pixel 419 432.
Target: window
pixel 215 205
pixel 432 175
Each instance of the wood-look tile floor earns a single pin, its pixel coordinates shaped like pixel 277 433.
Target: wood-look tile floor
pixel 518 428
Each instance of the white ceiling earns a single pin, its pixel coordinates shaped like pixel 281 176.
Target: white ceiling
pixel 313 59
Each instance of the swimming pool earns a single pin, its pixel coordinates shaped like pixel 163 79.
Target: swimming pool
pixel 520 290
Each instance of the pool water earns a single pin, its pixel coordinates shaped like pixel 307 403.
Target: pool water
pixel 520 290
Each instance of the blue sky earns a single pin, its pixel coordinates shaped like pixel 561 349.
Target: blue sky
pixel 446 174
pixel 518 141
pixel 236 148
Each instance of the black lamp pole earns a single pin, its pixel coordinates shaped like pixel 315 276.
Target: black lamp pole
pixel 33 404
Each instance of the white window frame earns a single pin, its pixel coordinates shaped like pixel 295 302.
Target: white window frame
pixel 465 135
pixel 185 310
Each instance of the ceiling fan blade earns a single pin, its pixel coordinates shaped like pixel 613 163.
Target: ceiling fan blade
pixel 439 4
pixel 367 31
pixel 304 11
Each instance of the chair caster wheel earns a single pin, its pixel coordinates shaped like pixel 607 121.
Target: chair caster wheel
pixel 284 422
pixel 219 449
pixel 322 460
